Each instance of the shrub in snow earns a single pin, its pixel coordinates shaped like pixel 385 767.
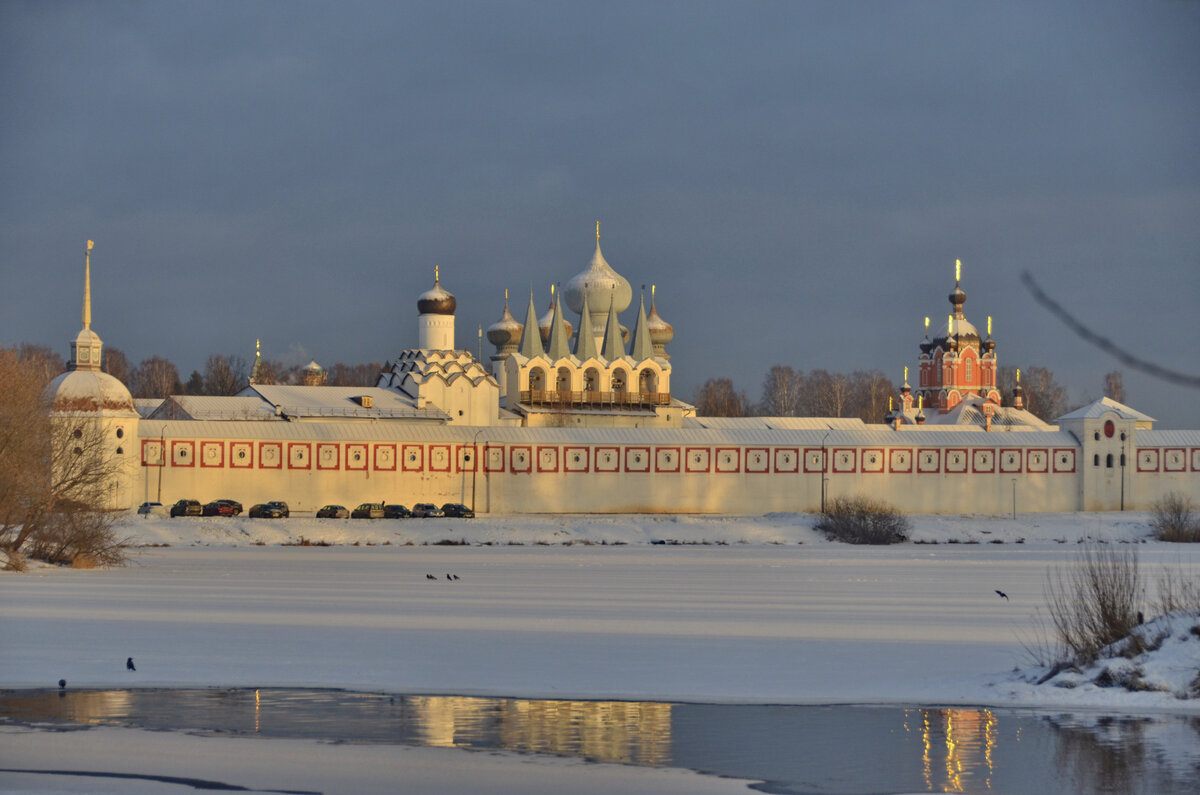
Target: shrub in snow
pixel 1172 520
pixel 1093 602
pixel 860 520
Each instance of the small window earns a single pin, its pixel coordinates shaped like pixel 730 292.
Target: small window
pixel 1108 461
pixel 120 451
pixel 120 433
pixel 1096 460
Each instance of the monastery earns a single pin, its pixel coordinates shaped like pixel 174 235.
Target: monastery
pixel 573 413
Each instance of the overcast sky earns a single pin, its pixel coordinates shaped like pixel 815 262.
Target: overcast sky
pixel 796 178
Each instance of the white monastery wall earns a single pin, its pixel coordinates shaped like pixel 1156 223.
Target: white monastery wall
pixel 532 470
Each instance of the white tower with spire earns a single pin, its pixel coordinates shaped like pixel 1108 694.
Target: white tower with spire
pixel 435 323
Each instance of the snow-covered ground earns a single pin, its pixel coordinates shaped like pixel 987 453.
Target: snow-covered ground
pixel 707 609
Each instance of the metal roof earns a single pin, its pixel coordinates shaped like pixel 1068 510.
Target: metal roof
pixel 1096 409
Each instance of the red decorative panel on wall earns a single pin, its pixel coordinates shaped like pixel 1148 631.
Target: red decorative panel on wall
pixel 329 455
pixel 900 459
pixel 929 461
pixel 241 455
pixel 547 459
pixel 1037 460
pixel 1174 459
pixel 212 454
pixel 152 453
pixel 758 460
pixel 520 458
pixel 637 459
pixel 270 455
pixel 356 457
pixel 439 458
pixel 815 460
pixel 1064 459
pixel 577 459
pixel 1196 459
pixel 383 457
pixel 728 459
pixel 1010 460
pixel 412 457
pixel 666 459
pixel 697 459
pixel 844 459
pixel 465 457
pixel 872 459
pixel 1147 459
pixel 787 459
pixel 956 459
pixel 608 459
pixel 183 453
pixel 493 458
pixel 983 461
pixel 299 455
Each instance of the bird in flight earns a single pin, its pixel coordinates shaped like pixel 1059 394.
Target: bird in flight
pixel 1002 594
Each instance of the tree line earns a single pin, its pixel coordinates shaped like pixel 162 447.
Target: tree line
pixel 158 377
pixel 787 392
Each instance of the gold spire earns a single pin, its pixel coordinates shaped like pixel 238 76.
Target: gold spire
pixel 597 233
pixel 87 285
pixel 906 374
pixel 435 274
pixel 957 271
pixel 989 325
pixel 1018 375
pixel 926 325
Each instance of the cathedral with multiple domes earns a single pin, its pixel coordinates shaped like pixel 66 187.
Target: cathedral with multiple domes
pixel 573 413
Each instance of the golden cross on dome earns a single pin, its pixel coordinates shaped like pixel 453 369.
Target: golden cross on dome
pixel 435 273
pixel 597 231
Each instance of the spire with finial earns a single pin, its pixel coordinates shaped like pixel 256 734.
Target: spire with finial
pixel 531 340
pixel 641 349
pixel 87 285
pixel 86 347
pixel 614 345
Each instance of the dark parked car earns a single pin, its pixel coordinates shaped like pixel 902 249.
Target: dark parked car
pixel 187 508
pixel 333 512
pixel 270 510
pixel 152 509
pixel 222 508
pixel 368 510
pixel 396 512
pixel 458 510
pixel 427 510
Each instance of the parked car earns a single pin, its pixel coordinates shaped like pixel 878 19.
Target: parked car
pixel 333 512
pixel 187 508
pixel 427 510
pixel 222 508
pixel 396 512
pixel 270 510
pixel 368 510
pixel 458 510
pixel 152 509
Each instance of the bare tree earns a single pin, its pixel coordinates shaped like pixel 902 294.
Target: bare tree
pixel 1114 386
pixel 155 377
pixel 718 398
pixel 224 375
pixel 45 363
pixel 55 474
pixel 826 394
pixel 1044 397
pixel 781 393
pixel 116 364
pixel 869 391
pixel 364 374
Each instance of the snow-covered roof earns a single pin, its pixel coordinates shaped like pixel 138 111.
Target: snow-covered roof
pixel 91 392
pixel 290 401
pixel 1097 408
pixel 213 407
pixel 970 413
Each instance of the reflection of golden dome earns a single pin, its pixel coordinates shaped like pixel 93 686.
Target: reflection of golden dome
pixel 436 301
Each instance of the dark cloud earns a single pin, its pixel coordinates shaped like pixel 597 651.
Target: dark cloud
pixel 797 178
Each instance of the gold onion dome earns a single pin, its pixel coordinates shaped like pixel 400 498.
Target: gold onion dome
pixel 661 332
pixel 507 330
pixel 437 301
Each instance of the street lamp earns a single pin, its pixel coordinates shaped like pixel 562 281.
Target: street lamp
pixel 824 479
pixel 475 469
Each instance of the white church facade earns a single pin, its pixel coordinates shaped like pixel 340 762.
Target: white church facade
pixel 574 414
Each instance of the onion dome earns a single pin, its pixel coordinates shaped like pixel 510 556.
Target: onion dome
pixel 437 301
pixel 661 332
pixel 505 333
pixel 546 321
pixel 602 285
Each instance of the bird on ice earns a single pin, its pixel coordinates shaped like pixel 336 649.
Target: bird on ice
pixel 1002 594
pixel 129 666
pixel 62 684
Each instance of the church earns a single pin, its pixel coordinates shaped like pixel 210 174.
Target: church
pixel 573 413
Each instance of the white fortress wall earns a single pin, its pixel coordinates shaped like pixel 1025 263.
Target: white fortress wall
pixel 556 470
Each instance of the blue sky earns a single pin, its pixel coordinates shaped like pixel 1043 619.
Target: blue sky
pixel 796 178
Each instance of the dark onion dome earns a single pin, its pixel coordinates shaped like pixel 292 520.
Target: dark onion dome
pixel 988 344
pixel 507 330
pixel 437 301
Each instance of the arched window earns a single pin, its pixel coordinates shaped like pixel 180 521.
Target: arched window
pixel 1096 460
pixel 968 370
pixel 563 382
pixel 648 380
pixel 591 380
pixel 1109 461
pixel 620 381
pixel 537 379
